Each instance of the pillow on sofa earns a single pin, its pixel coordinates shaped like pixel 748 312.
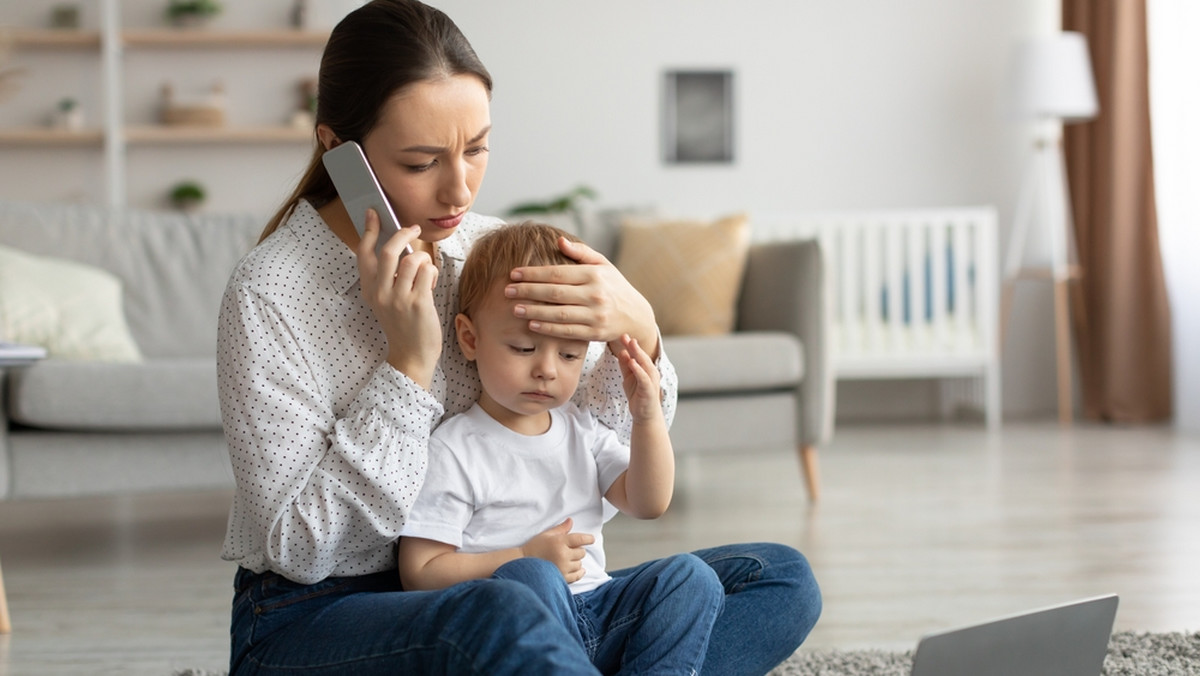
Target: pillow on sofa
pixel 690 271
pixel 71 309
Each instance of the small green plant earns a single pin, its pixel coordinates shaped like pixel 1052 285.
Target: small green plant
pixel 568 201
pixel 64 15
pixel 67 114
pixel 187 195
pixel 181 10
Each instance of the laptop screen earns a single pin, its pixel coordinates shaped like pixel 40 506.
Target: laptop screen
pixel 1065 640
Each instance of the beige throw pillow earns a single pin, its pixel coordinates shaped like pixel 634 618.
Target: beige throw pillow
pixel 690 271
pixel 71 309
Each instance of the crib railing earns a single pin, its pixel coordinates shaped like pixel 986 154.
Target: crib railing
pixel 913 295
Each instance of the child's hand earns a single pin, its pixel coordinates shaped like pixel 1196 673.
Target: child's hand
pixel 561 547
pixel 641 381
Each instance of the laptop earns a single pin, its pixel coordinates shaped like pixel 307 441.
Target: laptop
pixel 1070 639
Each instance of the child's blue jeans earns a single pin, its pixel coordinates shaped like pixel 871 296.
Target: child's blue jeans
pixel 772 602
pixel 656 619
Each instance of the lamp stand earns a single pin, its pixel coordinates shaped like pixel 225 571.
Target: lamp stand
pixel 1046 178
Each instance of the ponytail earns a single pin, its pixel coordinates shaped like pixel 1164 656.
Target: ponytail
pixel 315 186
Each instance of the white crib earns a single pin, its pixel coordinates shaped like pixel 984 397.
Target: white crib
pixel 913 295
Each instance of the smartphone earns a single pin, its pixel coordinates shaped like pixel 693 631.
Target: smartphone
pixel 359 189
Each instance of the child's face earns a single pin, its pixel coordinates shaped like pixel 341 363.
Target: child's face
pixel 523 374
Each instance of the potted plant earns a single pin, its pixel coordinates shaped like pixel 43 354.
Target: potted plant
pixel 68 115
pixel 65 16
pixel 567 202
pixel 564 211
pixel 187 195
pixel 192 12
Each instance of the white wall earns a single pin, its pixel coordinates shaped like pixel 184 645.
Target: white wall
pixel 843 104
pixel 852 104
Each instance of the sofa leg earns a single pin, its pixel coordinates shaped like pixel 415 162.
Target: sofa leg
pixel 5 624
pixel 812 472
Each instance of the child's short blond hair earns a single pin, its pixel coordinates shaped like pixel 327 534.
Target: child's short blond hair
pixel 494 256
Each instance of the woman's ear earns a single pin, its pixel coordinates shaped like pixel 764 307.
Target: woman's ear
pixel 328 139
pixel 465 329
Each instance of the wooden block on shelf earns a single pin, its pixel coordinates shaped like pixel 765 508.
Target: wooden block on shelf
pixel 193 116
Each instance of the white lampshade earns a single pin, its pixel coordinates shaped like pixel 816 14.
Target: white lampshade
pixel 1051 78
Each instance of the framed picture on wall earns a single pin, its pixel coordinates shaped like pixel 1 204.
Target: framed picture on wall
pixel 698 117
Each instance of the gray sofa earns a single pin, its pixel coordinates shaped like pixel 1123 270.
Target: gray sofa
pixel 72 428
pixel 770 383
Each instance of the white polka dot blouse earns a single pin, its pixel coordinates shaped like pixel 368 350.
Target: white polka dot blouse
pixel 327 441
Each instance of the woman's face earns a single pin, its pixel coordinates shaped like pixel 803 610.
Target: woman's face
pixel 429 151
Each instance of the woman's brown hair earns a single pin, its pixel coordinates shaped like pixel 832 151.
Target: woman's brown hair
pixel 373 53
pixel 494 256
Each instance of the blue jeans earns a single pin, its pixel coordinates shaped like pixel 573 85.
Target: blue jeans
pixel 772 602
pixel 366 625
pixel 654 620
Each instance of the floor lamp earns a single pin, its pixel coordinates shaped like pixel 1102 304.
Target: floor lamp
pixel 1052 85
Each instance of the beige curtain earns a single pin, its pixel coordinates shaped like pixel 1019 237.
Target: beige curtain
pixel 1121 317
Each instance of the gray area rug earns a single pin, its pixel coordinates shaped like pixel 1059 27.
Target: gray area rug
pixel 1129 654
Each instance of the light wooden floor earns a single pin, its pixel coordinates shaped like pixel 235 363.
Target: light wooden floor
pixel 921 528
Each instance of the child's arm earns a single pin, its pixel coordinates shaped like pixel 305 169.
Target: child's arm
pixel 644 490
pixel 429 564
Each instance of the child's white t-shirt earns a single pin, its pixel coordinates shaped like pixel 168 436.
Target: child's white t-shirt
pixel 488 487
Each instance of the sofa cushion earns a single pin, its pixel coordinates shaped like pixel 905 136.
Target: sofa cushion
pixel 71 309
pixel 157 394
pixel 53 464
pixel 752 421
pixel 736 362
pixel 689 271
pixel 173 266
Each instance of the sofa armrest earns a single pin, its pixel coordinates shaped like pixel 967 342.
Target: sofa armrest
pixel 785 289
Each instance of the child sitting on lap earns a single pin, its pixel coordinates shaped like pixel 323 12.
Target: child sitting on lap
pixel 517 483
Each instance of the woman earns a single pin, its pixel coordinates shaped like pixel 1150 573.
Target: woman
pixel 335 362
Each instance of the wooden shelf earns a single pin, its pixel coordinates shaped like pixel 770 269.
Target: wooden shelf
pixel 173 135
pixel 109 44
pixel 53 38
pixel 46 136
pixel 199 37
pixel 155 135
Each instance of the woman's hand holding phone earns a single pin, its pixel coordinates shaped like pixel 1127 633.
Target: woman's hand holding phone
pixel 399 290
